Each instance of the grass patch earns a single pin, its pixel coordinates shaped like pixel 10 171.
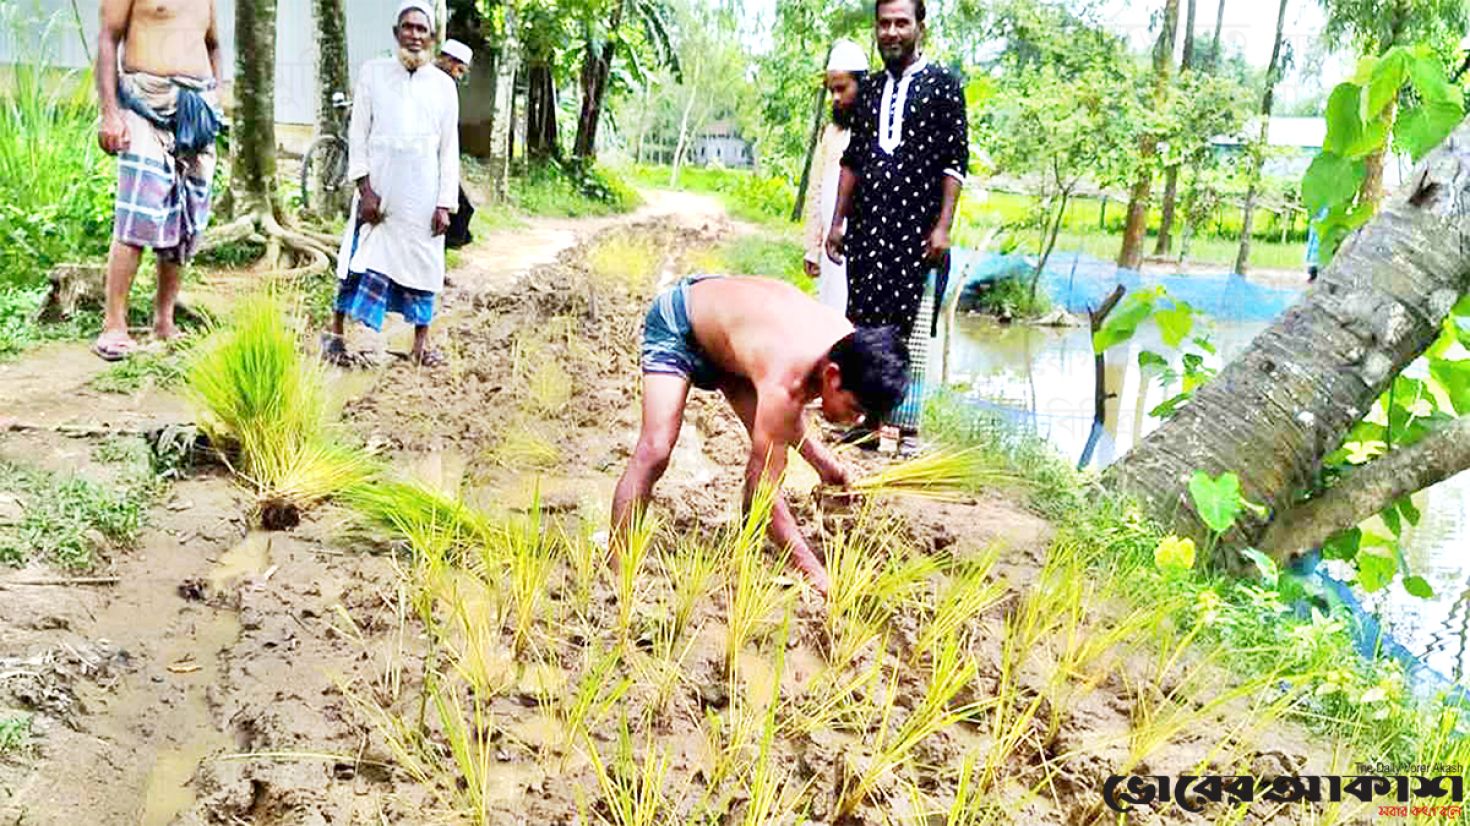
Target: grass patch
pixel 563 191
pixel 765 254
pixel 66 519
pixel 18 328
pixel 156 369
pixel 748 196
pixel 1091 230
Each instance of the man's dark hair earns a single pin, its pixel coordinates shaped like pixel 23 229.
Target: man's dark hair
pixel 874 362
pixel 919 11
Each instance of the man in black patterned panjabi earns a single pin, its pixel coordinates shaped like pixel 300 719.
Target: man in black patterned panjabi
pixel 901 178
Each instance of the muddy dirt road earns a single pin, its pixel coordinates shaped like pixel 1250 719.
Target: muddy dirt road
pixel 216 675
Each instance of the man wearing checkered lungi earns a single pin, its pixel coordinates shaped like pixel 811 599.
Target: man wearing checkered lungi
pixel 158 72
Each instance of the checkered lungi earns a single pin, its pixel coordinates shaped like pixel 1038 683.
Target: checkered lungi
pixel 910 412
pixel 162 194
pixel 369 296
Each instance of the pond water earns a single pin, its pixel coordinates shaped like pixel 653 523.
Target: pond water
pixel 1042 378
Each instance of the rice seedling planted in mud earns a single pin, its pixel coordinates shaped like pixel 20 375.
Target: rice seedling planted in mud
pixel 752 592
pixel 631 552
pixel 268 409
pixel 691 568
pixel 529 560
pixel 632 791
pixel 425 517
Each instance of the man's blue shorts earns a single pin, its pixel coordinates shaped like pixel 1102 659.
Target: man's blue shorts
pixel 669 346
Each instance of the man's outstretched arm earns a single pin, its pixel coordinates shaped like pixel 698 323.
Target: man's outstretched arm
pixel 777 425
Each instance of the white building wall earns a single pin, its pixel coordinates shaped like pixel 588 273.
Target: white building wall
pixel 27 26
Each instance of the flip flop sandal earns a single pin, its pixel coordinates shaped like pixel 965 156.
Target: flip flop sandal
pixel 114 351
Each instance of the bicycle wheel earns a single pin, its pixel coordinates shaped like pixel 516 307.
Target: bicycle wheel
pixel 324 177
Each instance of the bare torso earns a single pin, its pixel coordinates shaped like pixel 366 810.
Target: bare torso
pixel 768 332
pixel 169 37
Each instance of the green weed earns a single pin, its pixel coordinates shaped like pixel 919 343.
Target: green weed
pixel 66 518
pixel 159 369
pixel 15 733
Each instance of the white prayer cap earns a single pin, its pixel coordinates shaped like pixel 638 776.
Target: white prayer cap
pixel 847 56
pixel 412 5
pixel 458 51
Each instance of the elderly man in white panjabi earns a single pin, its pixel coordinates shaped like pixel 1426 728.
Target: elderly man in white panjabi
pixel 403 154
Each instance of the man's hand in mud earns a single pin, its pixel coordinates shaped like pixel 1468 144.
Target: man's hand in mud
pixel 813 269
pixel 112 133
pixel 812 569
pixel 369 205
pixel 837 244
pixel 835 475
pixel 441 221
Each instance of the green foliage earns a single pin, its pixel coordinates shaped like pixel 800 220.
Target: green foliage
pixel 571 191
pixel 1362 121
pixel 1012 297
pixel 747 195
pixel 55 183
pixel 768 255
pixel 159 369
pixel 1216 500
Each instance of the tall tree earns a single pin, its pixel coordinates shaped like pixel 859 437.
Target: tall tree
pixel 1258 147
pixel 606 30
pixel 332 77
pixel 1131 254
pixel 502 119
pixel 1215 41
pixel 1276 412
pixel 1171 172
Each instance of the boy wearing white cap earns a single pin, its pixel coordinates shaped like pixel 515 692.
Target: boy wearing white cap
pixel 846 67
pixel 403 154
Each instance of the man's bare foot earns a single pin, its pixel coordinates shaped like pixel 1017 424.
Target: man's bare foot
pixel 167 332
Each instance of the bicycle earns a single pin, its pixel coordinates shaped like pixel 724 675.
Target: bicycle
pixel 326 156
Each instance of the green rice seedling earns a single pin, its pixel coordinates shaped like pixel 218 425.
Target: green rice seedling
pixel 523 445
pixel 632 792
pixel 664 668
pixel 836 700
pixel 969 592
pixel 424 516
pixel 950 672
pixel 625 261
pixel 853 569
pixel 471 736
pixel 595 694
pixel 691 570
pixel 770 797
pixel 948 475
pixel 15 732
pixel 752 592
pixel 585 561
pixel 631 554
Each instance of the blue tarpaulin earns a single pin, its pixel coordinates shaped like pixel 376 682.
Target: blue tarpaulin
pixel 1078 282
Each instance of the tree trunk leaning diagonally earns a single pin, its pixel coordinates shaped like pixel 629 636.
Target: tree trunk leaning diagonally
pixel 1364 492
pixel 1171 174
pixel 1215 43
pixel 1131 254
pixel 1258 150
pixel 1273 413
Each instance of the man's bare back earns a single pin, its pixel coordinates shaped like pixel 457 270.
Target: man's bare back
pixel 767 332
pixel 166 37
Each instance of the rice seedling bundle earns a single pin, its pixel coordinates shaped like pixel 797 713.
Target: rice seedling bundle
pixel 946 475
pixel 268 409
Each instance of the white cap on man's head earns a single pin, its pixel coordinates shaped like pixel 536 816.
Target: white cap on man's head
pixel 458 51
pixel 847 56
pixel 415 5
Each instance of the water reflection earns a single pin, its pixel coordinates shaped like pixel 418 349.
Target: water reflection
pixel 1043 378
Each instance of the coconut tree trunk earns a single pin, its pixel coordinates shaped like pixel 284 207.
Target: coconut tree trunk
pixel 1274 412
pixel 1171 175
pixel 1258 151
pixel 1131 255
pixel 596 68
pixel 254 138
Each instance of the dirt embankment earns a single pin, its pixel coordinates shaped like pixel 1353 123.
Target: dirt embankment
pixel 221 679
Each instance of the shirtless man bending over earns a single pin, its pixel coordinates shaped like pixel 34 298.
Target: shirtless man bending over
pixel 159 117
pixel 770 349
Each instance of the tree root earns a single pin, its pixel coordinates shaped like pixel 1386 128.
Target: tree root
pixel 310 252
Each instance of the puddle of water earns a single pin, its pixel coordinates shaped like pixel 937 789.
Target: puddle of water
pixel 250 558
pixel 168 791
